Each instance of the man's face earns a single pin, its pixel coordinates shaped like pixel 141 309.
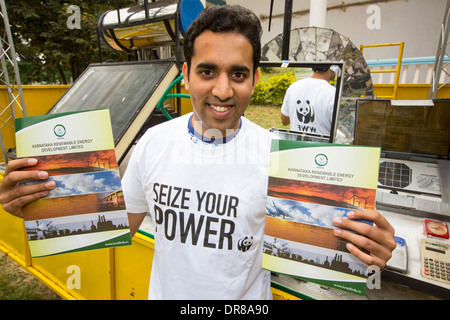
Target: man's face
pixel 220 81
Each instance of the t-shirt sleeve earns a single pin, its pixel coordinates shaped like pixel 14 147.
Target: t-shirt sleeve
pixel 285 105
pixel 135 200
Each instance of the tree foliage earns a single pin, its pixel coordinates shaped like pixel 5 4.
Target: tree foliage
pixel 51 52
pixel 272 91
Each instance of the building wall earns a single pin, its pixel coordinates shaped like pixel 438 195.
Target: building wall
pixel 415 22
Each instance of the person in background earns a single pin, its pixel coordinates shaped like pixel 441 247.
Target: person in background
pixel 309 103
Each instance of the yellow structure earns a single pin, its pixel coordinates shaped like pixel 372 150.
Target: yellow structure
pixel 410 91
pixel 396 70
pixel 38 100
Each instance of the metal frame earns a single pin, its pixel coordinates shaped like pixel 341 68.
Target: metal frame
pixel 15 94
pixel 441 54
pixel 174 34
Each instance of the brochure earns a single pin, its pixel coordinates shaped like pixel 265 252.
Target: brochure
pixel 86 210
pixel 309 185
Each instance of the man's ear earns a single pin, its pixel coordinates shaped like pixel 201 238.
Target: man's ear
pixel 186 75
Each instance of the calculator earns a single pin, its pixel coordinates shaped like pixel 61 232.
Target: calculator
pixel 435 260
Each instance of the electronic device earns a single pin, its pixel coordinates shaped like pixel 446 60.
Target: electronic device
pixel 410 176
pixel 399 259
pixel 435 260
pixel 435 228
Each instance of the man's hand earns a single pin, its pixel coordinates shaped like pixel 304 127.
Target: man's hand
pixel 13 196
pixel 378 239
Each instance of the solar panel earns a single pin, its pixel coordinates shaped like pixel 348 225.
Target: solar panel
pixel 131 91
pixel 394 174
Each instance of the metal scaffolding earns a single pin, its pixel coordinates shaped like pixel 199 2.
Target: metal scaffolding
pixel 442 53
pixel 9 64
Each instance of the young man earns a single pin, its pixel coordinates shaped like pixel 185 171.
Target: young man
pixel 208 242
pixel 203 176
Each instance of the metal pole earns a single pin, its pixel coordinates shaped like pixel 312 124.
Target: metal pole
pixel 286 29
pixel 7 82
pixel 270 13
pixel 13 56
pixel 442 45
pixel 3 149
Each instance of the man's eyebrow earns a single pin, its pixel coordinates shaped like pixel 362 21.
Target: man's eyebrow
pixel 240 67
pixel 206 65
pixel 210 66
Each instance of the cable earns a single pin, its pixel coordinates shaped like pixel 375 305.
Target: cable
pixel 166 96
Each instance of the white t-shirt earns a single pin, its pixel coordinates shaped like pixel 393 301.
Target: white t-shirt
pixel 309 105
pixel 208 205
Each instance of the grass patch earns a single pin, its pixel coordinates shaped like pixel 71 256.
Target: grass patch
pixel 265 116
pixel 18 284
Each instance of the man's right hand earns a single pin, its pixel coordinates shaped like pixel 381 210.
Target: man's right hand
pixel 13 196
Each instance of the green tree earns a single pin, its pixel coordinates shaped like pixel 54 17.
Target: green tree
pixel 273 90
pixel 50 51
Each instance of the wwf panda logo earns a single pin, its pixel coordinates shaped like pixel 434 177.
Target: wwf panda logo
pixel 305 112
pixel 245 243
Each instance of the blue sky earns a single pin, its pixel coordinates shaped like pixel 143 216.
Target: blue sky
pixel 75 184
pixel 304 212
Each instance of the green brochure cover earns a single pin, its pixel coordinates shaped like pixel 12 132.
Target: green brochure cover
pixel 86 210
pixel 309 185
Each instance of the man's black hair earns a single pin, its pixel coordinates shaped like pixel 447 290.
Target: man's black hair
pixel 321 69
pixel 225 19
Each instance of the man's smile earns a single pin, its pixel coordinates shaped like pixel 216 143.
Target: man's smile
pixel 220 110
